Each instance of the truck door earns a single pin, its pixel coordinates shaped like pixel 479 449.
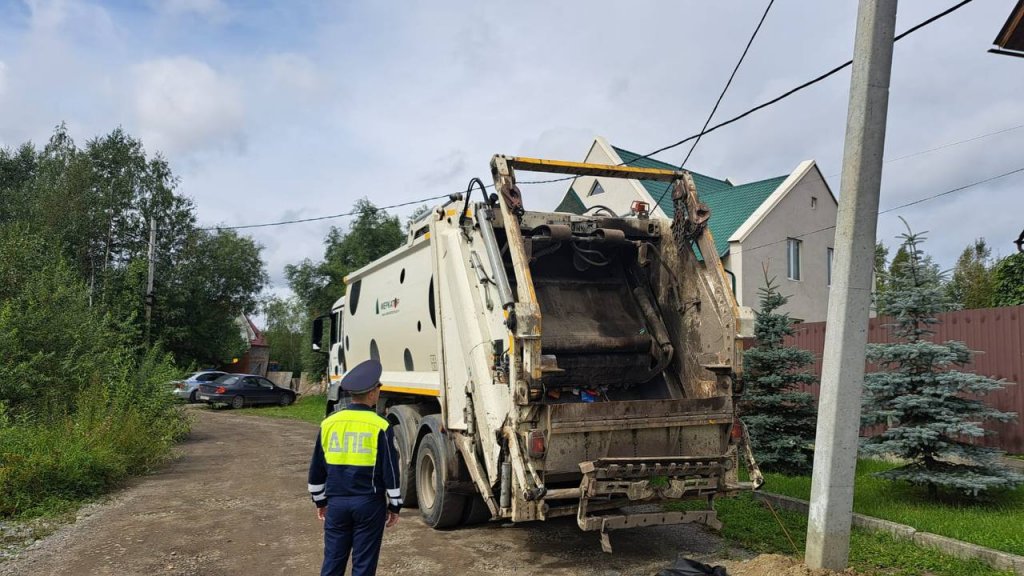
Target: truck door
pixel 337 359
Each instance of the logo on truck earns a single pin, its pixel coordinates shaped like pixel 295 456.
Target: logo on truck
pixel 387 307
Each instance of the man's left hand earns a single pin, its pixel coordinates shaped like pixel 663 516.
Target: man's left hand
pixel 321 513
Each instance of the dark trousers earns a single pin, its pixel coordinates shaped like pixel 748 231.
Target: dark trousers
pixel 354 524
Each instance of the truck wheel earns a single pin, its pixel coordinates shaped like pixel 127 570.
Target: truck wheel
pixel 439 507
pixel 477 511
pixel 406 467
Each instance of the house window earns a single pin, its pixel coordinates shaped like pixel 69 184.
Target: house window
pixel 828 263
pixel 793 258
pixel 814 202
pixel 596 189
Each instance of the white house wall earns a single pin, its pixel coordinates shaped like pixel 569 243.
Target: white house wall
pixel 765 245
pixel 619 193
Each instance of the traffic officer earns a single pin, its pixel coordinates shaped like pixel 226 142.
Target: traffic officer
pixel 353 477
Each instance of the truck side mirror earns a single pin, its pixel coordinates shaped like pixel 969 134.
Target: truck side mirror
pixel 318 334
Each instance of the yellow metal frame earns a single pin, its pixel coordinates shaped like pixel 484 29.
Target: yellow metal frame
pixel 585 169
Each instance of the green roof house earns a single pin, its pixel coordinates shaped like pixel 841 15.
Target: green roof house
pixel 783 224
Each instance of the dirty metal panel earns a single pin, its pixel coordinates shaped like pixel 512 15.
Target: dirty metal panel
pixel 638 413
pixel 565 451
pixel 606 523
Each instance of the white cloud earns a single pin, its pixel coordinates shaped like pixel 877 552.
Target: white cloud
pixel 294 73
pixel 183 106
pixel 56 15
pixel 215 10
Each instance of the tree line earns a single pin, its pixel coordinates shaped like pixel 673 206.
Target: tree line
pixel 84 382
pixel 977 280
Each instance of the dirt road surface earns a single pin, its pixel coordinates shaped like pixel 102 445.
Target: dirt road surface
pixel 234 501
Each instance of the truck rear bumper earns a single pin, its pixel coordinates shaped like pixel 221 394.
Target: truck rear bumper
pixel 656 480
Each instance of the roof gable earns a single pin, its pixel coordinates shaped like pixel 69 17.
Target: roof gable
pixel 571 203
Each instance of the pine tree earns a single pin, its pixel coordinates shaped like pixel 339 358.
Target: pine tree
pixel 779 417
pixel 972 284
pixel 930 407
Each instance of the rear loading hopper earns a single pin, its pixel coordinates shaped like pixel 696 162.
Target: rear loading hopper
pixel 552 364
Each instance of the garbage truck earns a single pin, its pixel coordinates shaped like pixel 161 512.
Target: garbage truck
pixel 547 364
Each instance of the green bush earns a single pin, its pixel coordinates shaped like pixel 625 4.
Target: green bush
pixel 113 433
pixel 81 408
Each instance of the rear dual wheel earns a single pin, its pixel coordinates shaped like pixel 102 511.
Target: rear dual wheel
pixel 439 506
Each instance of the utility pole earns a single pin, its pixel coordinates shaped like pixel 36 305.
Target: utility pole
pixel 152 268
pixel 842 374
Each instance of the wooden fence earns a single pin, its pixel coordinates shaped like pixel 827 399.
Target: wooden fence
pixel 996 333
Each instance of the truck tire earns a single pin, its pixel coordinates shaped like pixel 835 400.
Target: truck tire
pixel 477 511
pixel 439 507
pixel 406 466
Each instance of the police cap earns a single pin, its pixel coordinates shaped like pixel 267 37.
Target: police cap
pixel 362 378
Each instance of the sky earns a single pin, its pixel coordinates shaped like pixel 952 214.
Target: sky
pixel 286 109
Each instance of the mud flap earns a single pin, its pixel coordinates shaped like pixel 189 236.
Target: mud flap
pixel 647 480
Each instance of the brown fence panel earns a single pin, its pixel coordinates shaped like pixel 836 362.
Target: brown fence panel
pixel 996 333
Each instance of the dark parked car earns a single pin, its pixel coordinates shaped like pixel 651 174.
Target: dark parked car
pixel 240 390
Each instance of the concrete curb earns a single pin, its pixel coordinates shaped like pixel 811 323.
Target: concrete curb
pixel 995 558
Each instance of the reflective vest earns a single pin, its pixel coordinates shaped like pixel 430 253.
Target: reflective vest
pixel 349 437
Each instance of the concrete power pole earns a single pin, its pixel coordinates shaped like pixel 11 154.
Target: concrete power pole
pixel 152 269
pixel 842 374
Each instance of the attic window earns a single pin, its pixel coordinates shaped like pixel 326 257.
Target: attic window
pixel 814 202
pixel 596 189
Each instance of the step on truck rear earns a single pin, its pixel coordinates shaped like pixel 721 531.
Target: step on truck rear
pixel 544 364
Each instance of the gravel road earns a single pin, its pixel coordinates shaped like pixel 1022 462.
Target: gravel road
pixel 234 502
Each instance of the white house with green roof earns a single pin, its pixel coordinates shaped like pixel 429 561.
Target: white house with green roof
pixel 785 224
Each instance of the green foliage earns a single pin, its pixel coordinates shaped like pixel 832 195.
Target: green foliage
pixel 930 407
pixel 217 277
pixel 1008 277
pixel 287 333
pixel 91 206
pixel 371 235
pixel 84 398
pixel 80 407
pixel 881 256
pixel 779 417
pixel 972 285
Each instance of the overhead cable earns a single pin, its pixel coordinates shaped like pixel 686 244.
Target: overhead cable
pixel 718 126
pixel 894 208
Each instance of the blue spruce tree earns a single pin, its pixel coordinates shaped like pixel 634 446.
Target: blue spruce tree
pixel 930 407
pixel 779 417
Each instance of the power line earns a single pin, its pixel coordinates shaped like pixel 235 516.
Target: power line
pixel 649 154
pixel 352 213
pixel 894 208
pixel 792 91
pixel 721 95
pixel 727 84
pixel 947 145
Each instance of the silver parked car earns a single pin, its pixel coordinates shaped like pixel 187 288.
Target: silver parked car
pixel 186 389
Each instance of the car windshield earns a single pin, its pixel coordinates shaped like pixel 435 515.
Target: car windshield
pixel 208 376
pixel 227 380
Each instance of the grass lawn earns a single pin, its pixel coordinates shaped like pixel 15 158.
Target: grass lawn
pixel 751 524
pixel 309 408
pixel 996 522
